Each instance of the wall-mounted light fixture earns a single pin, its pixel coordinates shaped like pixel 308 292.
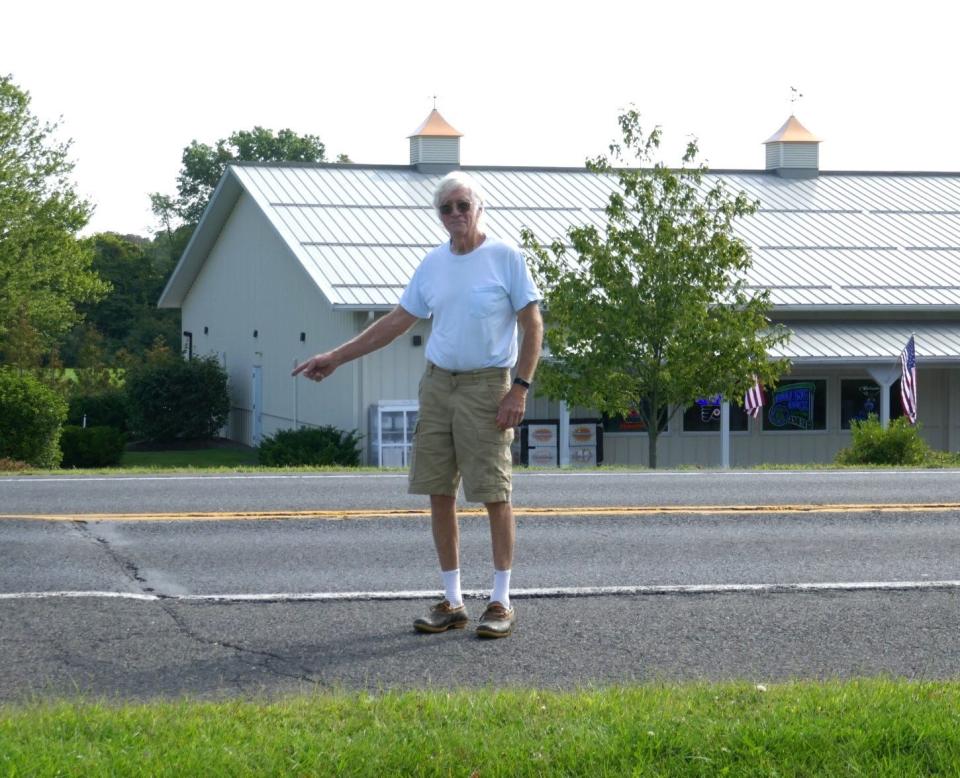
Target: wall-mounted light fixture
pixel 417 340
pixel 303 337
pixel 256 333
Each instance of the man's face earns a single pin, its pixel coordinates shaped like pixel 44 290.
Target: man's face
pixel 459 213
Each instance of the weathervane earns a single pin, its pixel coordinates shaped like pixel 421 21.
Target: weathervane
pixel 434 101
pixel 795 96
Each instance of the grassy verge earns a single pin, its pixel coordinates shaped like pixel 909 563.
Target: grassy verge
pixel 869 727
pixel 199 458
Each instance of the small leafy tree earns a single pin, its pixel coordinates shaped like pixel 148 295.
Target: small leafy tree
pixel 654 312
pixel 170 398
pixel 45 270
pixel 203 165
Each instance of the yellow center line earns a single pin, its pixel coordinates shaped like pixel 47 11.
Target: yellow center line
pixel 380 513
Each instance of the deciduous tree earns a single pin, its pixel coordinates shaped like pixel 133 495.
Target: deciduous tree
pixel 45 271
pixel 203 165
pixel 653 312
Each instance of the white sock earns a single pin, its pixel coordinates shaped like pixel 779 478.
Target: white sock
pixel 501 588
pixel 451 587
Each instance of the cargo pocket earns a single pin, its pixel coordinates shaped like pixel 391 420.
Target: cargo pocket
pixel 413 452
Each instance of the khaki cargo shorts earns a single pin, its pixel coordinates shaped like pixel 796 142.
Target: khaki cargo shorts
pixel 457 436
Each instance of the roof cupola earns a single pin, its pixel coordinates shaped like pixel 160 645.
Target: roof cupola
pixel 435 145
pixel 793 151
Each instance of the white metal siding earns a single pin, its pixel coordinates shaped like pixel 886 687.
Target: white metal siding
pixel 251 281
pixel 793 155
pixel 435 150
pixel 939 414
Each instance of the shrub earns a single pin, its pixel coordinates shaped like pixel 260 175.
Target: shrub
pixel 12 465
pixel 102 409
pixel 312 447
pixel 92 446
pixel 30 418
pixel 170 398
pixel 942 459
pixel 899 444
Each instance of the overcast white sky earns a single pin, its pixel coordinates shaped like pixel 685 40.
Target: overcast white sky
pixel 528 83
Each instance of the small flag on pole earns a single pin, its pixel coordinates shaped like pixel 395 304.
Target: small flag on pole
pixel 753 401
pixel 908 380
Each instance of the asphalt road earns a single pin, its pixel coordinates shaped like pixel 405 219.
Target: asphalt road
pixel 57 644
pixel 135 494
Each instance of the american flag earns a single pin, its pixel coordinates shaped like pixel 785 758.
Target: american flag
pixel 908 380
pixel 753 401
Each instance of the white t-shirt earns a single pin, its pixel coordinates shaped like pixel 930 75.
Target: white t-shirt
pixel 474 299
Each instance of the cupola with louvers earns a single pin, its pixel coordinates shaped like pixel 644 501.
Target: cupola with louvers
pixel 435 145
pixel 793 151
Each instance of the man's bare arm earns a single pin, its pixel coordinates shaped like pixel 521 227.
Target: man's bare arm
pixel 514 403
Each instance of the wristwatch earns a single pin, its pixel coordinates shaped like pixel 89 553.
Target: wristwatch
pixel 525 384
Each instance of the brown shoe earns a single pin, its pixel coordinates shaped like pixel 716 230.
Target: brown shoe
pixel 496 621
pixel 441 618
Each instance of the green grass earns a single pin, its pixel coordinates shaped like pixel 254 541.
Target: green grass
pixel 867 728
pixel 199 458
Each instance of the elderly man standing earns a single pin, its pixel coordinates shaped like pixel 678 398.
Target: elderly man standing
pixel 477 289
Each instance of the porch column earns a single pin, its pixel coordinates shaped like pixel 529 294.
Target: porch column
pixel 886 376
pixel 564 453
pixel 725 434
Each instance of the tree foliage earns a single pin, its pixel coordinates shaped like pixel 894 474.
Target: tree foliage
pixel 31 417
pixel 45 271
pixel 127 320
pixel 203 165
pixel 170 398
pixel 653 312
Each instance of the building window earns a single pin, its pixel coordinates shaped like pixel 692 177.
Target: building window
pixel 632 422
pixel 858 400
pixel 796 406
pixel 704 416
pixel 861 397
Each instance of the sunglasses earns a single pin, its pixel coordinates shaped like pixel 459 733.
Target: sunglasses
pixel 462 206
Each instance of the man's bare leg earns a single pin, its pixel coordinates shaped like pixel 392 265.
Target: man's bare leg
pixel 446 531
pixel 450 613
pixel 498 619
pixel 502 533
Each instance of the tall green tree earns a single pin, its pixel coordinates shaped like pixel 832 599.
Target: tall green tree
pixel 128 318
pixel 653 312
pixel 45 270
pixel 203 165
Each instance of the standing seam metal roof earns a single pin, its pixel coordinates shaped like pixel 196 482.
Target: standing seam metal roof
pixel 848 240
pixel 845 240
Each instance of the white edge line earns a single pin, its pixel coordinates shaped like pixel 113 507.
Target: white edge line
pixel 559 591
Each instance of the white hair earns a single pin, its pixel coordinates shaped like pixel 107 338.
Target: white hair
pixel 458 180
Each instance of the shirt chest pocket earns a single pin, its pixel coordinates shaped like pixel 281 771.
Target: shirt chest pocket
pixel 486 300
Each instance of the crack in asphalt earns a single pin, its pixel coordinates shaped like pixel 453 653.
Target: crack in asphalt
pixel 267 656
pixel 127 566
pixel 132 571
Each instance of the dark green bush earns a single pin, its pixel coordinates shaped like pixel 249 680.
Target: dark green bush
pixel 31 415
pixel 92 446
pixel 899 444
pixel 311 447
pixel 170 398
pixel 102 409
